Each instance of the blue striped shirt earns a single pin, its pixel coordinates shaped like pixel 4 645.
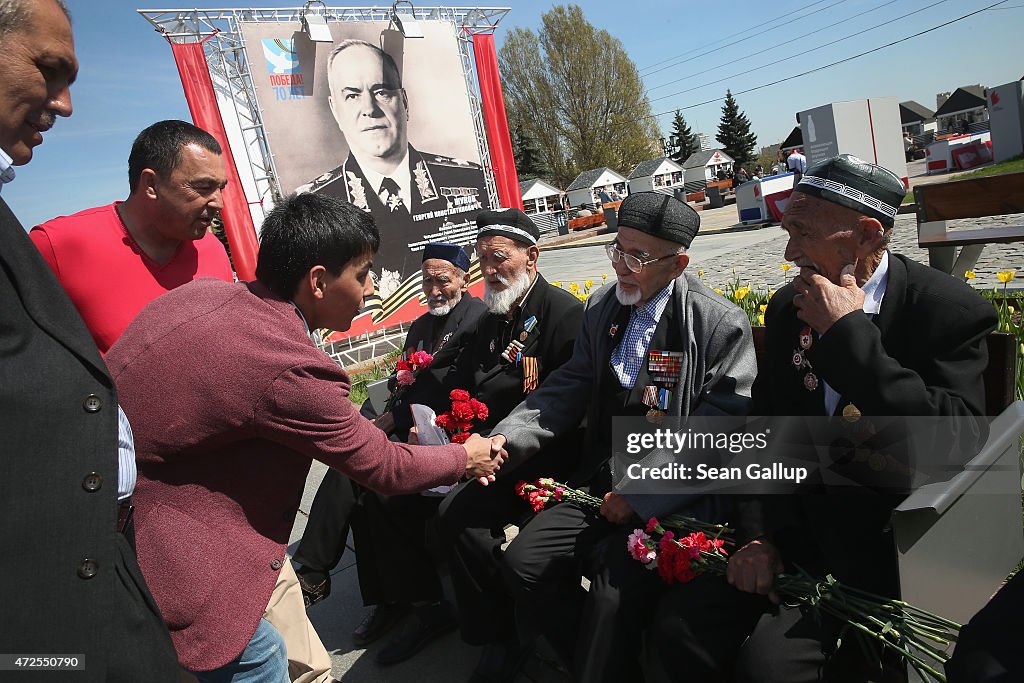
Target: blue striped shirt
pixel 628 356
pixel 126 472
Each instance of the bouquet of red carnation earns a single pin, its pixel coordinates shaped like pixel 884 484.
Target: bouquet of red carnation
pixel 464 412
pixel 406 371
pixel 919 636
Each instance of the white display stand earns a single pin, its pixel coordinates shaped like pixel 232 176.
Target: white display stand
pixel 750 197
pixel 940 154
pixel 1006 120
pixel 869 129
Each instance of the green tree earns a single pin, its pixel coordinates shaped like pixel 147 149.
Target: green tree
pixel 576 92
pixel 734 132
pixel 530 161
pixel 683 141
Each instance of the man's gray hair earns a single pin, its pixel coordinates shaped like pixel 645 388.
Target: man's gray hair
pixel 15 14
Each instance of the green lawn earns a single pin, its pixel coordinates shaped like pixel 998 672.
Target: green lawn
pixel 1014 165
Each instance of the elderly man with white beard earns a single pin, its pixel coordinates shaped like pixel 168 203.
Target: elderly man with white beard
pixel 528 333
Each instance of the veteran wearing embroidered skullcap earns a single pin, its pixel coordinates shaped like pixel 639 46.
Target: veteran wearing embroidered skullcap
pixel 655 316
pixel 527 334
pixel 409 193
pixel 861 332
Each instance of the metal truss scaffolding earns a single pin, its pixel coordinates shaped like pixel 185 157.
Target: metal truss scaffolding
pixel 230 67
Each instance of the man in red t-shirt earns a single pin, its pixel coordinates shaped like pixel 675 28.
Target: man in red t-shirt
pixel 113 260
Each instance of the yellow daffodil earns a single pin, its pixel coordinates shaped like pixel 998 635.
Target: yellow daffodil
pixel 970 275
pixel 604 276
pixel 771 293
pixel 1010 308
pixel 785 267
pixel 588 284
pixel 557 283
pixel 741 293
pixel 717 290
pixel 1005 276
pixel 763 307
pixel 573 287
pixel 700 272
pixel 760 319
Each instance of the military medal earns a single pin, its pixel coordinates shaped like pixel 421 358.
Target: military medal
pixel 613 330
pixel 531 373
pixel 492 346
pixel 523 335
pixel 664 368
pixel 798 358
pixel 851 413
pixel 810 381
pixel 529 324
pixel 512 352
pixel 805 338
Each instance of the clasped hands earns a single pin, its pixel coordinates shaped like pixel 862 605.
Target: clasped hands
pixel 820 302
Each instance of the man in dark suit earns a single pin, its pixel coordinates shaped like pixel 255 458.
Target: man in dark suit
pixel 861 333
pixel 71 584
pixel 528 333
pixel 410 193
pixel 452 315
pixel 217 499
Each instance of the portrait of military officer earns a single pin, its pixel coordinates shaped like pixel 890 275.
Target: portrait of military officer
pixel 410 193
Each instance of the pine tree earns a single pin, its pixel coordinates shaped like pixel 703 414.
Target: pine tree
pixel 734 132
pixel 683 139
pixel 529 158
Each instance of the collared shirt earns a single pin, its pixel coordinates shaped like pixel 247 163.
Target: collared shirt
pixel 126 472
pixel 400 175
pixel 6 169
pixel 302 318
pixel 628 356
pixel 874 291
pixel 797 162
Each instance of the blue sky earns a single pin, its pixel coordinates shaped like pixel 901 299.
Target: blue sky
pixel 128 79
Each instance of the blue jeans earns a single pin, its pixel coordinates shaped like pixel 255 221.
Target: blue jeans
pixel 264 660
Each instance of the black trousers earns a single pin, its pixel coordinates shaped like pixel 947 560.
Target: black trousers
pixel 471 525
pixel 393 558
pixel 789 645
pixel 330 517
pixel 598 631
pixel 702 623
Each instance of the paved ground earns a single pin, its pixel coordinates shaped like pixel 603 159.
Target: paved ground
pixel 722 248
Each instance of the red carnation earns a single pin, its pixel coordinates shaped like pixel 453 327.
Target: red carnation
pixel 479 409
pixel 403 365
pixel 459 395
pixel 461 437
pixel 445 422
pixel 422 359
pixel 462 410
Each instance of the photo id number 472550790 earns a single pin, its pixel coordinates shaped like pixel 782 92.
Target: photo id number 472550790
pixel 23 662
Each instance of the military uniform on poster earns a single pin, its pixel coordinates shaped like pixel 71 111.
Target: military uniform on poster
pixel 446 194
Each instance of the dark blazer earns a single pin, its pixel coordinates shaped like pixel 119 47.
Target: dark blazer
pixel 62 589
pixel 923 354
pixel 231 402
pixel 444 338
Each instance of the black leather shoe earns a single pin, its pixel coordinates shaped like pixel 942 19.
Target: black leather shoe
pixel 313 592
pixel 415 633
pixel 379 620
pixel 500 662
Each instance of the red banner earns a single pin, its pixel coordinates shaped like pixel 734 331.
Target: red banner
pixel 499 142
pixel 202 103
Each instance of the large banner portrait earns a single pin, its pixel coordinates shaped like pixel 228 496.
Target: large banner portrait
pixel 383 123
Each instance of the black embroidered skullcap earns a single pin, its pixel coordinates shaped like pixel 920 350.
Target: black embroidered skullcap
pixel 856 184
pixel 511 223
pixel 452 253
pixel 660 215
